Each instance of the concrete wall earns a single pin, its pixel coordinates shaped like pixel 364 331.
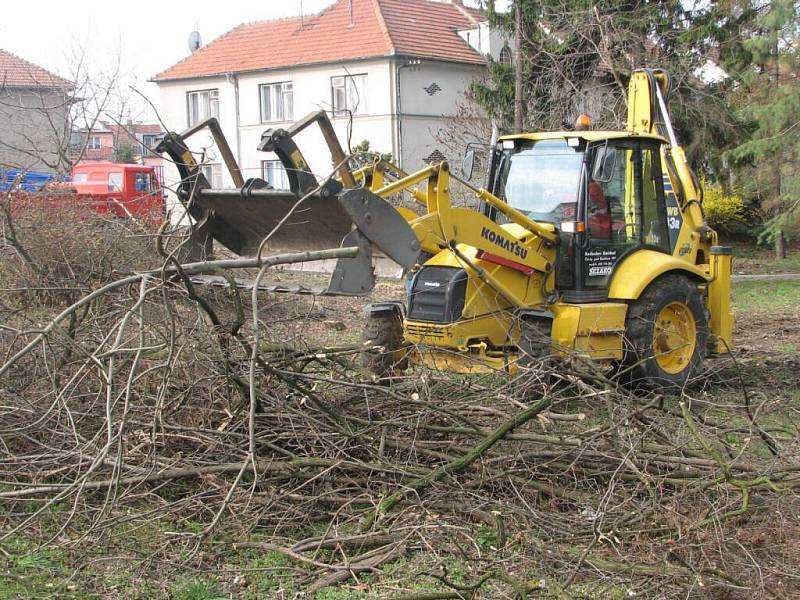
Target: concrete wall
pixel 34 133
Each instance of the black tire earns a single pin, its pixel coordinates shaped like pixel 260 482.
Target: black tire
pixel 385 355
pixel 653 339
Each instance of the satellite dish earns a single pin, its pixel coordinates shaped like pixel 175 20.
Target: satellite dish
pixel 195 41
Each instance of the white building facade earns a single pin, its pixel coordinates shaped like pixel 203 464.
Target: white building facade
pixel 396 100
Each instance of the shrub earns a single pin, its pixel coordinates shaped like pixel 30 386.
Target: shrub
pixel 54 248
pixel 724 209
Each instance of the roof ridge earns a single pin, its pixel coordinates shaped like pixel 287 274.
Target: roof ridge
pixel 376 4
pixel 463 10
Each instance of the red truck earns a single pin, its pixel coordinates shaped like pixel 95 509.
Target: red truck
pixel 121 190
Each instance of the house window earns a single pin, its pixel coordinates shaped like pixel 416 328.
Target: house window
pixel 148 143
pixel 203 105
pixel 213 174
pixel 274 174
pixel 505 56
pixel 95 143
pixel 277 101
pixel 348 95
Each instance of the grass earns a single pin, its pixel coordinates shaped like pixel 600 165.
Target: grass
pixel 268 573
pixel 197 589
pixel 766 295
pixel 37 572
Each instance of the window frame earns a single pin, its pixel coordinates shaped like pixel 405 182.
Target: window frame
pixel 361 104
pixel 284 176
pixel 115 181
pixel 147 148
pixel 212 171
pixel 210 112
pixel 91 145
pixel 282 94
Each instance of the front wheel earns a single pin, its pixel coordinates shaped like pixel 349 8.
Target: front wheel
pixel 666 335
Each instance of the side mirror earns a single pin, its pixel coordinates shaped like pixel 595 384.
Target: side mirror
pixel 468 164
pixel 604 161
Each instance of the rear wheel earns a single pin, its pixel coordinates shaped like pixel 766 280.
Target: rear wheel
pixel 384 355
pixel 666 335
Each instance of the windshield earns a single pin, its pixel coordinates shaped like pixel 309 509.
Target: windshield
pixel 541 179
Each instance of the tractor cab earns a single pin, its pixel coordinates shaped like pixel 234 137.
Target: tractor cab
pixel 603 191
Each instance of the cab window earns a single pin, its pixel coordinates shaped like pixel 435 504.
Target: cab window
pixel 115 182
pixel 541 179
pixel 142 183
pixel 624 207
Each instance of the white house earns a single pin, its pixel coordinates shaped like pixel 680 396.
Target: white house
pixel 398 67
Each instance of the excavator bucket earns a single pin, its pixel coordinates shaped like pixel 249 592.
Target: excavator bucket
pixel 253 218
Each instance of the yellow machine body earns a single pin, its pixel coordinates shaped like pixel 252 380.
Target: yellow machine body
pixel 510 260
pixel 583 235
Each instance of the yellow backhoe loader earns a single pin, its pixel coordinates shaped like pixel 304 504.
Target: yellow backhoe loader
pixel 583 243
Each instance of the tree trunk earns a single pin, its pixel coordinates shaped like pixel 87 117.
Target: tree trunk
pixel 518 117
pixel 780 245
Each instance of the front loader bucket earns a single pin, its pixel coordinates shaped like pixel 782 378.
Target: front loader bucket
pixel 255 219
pixel 241 222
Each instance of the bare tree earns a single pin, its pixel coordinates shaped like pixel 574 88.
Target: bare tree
pixel 40 112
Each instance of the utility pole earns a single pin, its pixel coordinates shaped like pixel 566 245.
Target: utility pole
pixel 518 116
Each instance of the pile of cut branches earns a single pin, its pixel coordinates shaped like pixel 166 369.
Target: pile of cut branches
pixel 151 399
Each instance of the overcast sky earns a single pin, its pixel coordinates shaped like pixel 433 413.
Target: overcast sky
pixel 149 36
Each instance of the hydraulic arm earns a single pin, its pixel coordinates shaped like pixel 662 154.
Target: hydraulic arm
pixel 648 95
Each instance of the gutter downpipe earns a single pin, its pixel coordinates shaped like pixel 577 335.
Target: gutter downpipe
pixel 399 117
pixel 234 79
pixel 398 103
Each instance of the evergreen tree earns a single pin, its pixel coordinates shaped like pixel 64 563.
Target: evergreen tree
pixel 768 163
pixel 124 153
pixel 577 56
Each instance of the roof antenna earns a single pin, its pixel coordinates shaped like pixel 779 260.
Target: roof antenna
pixel 351 14
pixel 302 23
pixel 195 41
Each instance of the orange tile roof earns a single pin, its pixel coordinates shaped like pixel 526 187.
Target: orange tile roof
pixel 17 72
pixel 347 30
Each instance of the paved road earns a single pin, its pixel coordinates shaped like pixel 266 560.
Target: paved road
pixel 767 277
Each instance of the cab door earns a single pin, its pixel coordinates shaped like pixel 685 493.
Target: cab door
pixel 622 205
